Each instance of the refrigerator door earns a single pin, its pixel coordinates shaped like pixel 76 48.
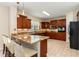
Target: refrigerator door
pixel 78 34
pixel 74 35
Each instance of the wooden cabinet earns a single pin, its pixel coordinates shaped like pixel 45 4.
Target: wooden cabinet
pixel 56 23
pixel 43 48
pixel 23 22
pixel 61 22
pixel 45 25
pixel 53 24
pixel 42 34
pixel 52 35
pixel 57 35
pixel 27 23
pixel 61 36
pixel 19 22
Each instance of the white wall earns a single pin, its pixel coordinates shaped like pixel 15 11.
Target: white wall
pixel 8 19
pixel 13 18
pixel 4 20
pixel 71 16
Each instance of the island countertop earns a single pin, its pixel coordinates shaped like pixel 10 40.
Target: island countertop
pixel 31 39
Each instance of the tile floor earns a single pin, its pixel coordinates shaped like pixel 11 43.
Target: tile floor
pixel 56 48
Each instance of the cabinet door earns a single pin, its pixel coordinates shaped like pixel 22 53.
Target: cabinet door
pixel 64 22
pixel 48 25
pixel 61 36
pixel 45 25
pixel 19 23
pixel 61 22
pixel 26 23
pixel 53 24
pixel 53 35
pixel 42 25
pixel 23 22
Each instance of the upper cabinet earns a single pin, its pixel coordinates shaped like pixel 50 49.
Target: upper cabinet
pixel 61 22
pixel 45 25
pixel 57 23
pixel 19 22
pixel 27 23
pixel 23 22
pixel 53 24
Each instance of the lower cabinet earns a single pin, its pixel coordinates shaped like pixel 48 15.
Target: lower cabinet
pixel 43 48
pixel 61 36
pixel 57 35
pixel 42 34
pixel 54 35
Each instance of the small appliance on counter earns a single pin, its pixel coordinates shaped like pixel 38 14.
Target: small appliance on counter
pixel 54 30
pixel 61 29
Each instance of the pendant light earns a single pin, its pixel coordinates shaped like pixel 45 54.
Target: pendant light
pixel 17 9
pixel 23 12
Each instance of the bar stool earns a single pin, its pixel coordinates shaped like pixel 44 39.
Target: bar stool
pixel 7 47
pixel 4 41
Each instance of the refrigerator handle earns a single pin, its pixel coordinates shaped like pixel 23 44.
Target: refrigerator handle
pixel 70 30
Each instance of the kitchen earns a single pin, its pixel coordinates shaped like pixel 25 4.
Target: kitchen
pixel 31 34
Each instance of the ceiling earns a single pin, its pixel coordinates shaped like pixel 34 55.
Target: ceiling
pixel 55 9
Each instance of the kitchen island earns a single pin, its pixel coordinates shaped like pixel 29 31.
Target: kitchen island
pixel 30 44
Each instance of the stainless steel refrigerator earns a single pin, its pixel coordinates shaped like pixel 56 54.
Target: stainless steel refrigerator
pixel 74 35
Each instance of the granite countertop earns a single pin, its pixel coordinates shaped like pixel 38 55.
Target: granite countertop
pixel 31 39
pixel 21 51
pixel 17 49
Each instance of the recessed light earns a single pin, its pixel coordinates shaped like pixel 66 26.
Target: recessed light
pixel 46 13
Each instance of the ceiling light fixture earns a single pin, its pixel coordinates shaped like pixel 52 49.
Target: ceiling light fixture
pixel 46 13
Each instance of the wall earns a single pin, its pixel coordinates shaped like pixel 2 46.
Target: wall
pixel 71 16
pixel 4 20
pixel 13 18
